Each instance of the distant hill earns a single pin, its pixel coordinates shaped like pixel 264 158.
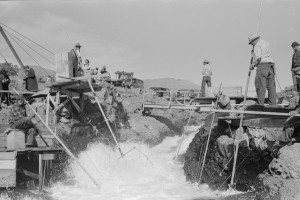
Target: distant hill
pixel 42 72
pixel 171 83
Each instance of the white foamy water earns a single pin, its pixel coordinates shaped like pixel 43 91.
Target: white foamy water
pixel 152 174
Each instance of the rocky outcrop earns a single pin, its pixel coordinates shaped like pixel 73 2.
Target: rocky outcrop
pixel 283 177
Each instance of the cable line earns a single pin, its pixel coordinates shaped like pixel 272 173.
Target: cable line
pixel 29 47
pixel 28 39
pixel 3 57
pixel 28 54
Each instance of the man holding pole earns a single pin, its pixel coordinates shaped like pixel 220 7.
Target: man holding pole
pixel 296 66
pixel 263 60
pixel 19 120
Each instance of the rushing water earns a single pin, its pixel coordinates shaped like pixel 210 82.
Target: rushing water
pixel 144 173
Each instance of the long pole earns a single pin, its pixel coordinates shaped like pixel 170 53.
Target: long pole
pixel 106 120
pixel 11 47
pixel 61 142
pixel 236 148
pixel 209 134
pixel 251 112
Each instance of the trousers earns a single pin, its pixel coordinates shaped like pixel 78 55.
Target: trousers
pixel 25 124
pixel 205 80
pixel 265 80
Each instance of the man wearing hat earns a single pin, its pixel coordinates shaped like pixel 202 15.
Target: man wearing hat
pixel 76 60
pixel 296 65
pixel 263 60
pixel 18 119
pixel 206 72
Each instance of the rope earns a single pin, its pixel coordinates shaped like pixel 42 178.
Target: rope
pixel 258 18
pixel 236 169
pixel 3 57
pixel 30 47
pixel 182 136
pixel 28 39
pixel 12 37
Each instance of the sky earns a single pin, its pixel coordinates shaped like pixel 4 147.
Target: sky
pixel 157 38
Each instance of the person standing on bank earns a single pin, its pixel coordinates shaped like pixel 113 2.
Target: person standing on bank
pixel 206 80
pixel 30 79
pixel 296 65
pixel 263 60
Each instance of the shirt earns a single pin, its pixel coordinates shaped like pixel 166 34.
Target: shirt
pixel 206 71
pixel 262 50
pixel 17 112
pixel 296 59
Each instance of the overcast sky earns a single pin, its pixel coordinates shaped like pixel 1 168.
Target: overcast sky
pixel 158 38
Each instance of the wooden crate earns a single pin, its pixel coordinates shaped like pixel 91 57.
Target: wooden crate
pixel 15 140
pixel 63 67
pixel 232 91
pixel 8 165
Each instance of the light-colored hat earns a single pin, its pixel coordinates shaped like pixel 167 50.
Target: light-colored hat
pixel 253 37
pixel 206 61
pixel 78 45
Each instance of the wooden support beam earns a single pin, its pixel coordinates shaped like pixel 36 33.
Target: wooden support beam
pixel 47 108
pixel 28 173
pixel 70 85
pixel 61 105
pixel 81 101
pixel 40 173
pixel 52 100
pixel 75 104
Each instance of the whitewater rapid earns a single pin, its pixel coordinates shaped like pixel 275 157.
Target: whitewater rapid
pixel 145 173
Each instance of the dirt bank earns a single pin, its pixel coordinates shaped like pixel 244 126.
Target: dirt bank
pixel 269 171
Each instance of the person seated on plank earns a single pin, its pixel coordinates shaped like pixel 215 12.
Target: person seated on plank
pixel 18 119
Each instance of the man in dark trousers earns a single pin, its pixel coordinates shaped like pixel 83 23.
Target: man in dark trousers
pixel 18 119
pixel 5 85
pixel 263 60
pixel 76 60
pixel 296 65
pixel 30 79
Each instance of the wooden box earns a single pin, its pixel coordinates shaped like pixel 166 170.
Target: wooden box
pixel 232 91
pixel 15 140
pixel 64 67
pixel 8 165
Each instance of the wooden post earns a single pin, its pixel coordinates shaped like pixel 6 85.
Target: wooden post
pixel 40 173
pixel 47 109
pixel 81 101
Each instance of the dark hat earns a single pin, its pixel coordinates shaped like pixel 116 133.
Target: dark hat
pixel 78 45
pixel 20 97
pixel 294 44
pixel 206 61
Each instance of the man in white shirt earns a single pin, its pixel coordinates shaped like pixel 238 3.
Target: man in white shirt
pixel 263 60
pixel 206 72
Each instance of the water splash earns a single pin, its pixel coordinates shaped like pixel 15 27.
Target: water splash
pixel 132 177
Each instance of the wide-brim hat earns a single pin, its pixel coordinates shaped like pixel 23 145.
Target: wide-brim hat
pixel 253 37
pixel 206 61
pixel 78 45
pixel 294 44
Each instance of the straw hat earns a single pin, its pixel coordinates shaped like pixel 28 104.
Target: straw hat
pixel 253 37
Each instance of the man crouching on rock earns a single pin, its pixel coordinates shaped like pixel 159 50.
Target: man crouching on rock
pixel 19 120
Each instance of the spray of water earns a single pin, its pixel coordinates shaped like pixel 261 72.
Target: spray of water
pixel 132 177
